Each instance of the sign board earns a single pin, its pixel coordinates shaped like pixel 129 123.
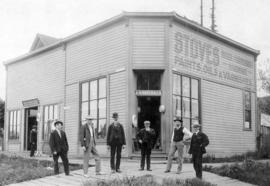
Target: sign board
pixel 30 103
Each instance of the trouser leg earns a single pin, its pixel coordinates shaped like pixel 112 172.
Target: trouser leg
pixel 97 158
pixel 118 156
pixel 113 148
pixel 148 158
pixel 180 149
pixel 55 160
pixel 86 156
pixel 170 156
pixel 64 158
pixel 143 156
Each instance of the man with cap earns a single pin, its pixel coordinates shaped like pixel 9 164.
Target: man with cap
pixel 198 143
pixel 88 144
pixel 59 147
pixel 116 141
pixel 33 140
pixel 146 137
pixel 177 144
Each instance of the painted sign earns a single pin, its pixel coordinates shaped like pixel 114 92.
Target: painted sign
pixel 210 59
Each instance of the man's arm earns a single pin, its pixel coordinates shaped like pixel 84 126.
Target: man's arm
pixel 187 132
pixel 123 135
pixel 82 136
pixel 205 140
pixel 108 135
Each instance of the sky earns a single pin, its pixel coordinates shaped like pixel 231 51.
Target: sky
pixel 246 21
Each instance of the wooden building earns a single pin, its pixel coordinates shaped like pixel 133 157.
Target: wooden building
pixel 145 66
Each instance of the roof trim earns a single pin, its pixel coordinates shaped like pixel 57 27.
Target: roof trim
pixel 122 16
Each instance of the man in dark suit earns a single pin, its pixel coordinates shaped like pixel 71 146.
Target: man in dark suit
pixel 198 143
pixel 33 140
pixel 59 147
pixel 146 138
pixel 88 144
pixel 116 141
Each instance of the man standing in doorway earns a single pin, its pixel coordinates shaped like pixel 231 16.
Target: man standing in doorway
pixel 33 140
pixel 177 144
pixel 59 147
pixel 198 143
pixel 146 137
pixel 116 141
pixel 88 144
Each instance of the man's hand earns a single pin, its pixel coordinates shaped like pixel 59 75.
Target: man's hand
pixel 124 146
pixel 54 152
pixel 140 141
pixel 83 148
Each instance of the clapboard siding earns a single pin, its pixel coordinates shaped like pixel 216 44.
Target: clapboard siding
pixel 13 147
pixel 222 110
pixel 72 117
pixel 148 42
pixel 97 53
pixel 39 77
pixel 118 97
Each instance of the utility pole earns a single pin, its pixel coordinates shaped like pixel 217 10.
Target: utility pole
pixel 213 26
pixel 201 12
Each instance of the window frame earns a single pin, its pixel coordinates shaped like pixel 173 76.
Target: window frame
pixel 190 97
pixel 97 99
pixel 244 111
pixel 15 125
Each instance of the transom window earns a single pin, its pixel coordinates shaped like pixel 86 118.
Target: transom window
pixel 51 114
pixel 148 80
pixel 247 106
pixel 94 102
pixel 186 99
pixel 14 124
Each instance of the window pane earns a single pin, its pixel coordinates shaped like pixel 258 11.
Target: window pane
pixel 51 112
pixel 186 107
pixel 93 108
pixel 177 106
pixel 102 128
pixel 176 84
pixel 194 91
pixel 195 109
pixel 247 101
pixel 46 113
pixel 55 112
pixel 142 81
pixel 102 108
pixel 85 93
pixel 186 86
pixel 93 90
pixel 102 88
pixel 186 123
pixel 247 118
pixel 154 80
pixel 84 110
pixel 95 127
pixel 11 124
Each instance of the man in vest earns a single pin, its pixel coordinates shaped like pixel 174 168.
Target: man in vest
pixel 88 144
pixel 177 144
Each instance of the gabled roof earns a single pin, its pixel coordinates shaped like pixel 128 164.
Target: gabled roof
pixel 42 41
pixel 125 15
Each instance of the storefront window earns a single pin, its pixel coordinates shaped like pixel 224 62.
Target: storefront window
pixel 247 105
pixel 186 99
pixel 148 80
pixel 14 124
pixel 51 114
pixel 94 103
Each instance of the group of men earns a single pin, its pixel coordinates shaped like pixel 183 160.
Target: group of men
pixel 116 142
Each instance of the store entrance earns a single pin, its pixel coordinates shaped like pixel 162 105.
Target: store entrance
pixel 30 121
pixel 148 109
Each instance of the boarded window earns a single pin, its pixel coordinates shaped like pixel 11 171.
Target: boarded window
pixel 14 124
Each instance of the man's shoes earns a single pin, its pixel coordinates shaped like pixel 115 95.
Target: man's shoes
pixel 118 170
pixel 86 176
pixel 113 171
pixel 149 169
pixel 166 171
pixel 141 169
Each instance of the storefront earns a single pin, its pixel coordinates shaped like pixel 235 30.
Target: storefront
pixel 145 66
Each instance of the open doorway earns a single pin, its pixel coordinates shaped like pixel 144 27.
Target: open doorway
pixel 148 109
pixel 30 121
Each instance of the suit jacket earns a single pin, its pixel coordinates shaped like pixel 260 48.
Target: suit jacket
pixel 111 135
pixel 198 143
pixel 85 136
pixel 57 143
pixel 33 136
pixel 147 137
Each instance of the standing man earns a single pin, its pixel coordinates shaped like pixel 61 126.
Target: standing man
pixel 33 140
pixel 88 144
pixel 198 143
pixel 116 141
pixel 59 147
pixel 146 137
pixel 177 144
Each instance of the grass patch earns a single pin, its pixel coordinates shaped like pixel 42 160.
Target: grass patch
pixel 248 171
pixel 16 169
pixel 148 180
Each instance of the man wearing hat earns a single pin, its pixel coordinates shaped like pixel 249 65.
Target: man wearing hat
pixel 198 143
pixel 88 144
pixel 177 144
pixel 146 137
pixel 59 147
pixel 33 140
pixel 116 141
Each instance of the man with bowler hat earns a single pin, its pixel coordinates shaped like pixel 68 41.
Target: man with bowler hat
pixel 198 143
pixel 116 141
pixel 177 144
pixel 146 137
pixel 59 147
pixel 88 144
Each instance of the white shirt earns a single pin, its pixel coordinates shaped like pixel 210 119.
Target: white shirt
pixel 91 130
pixel 185 131
pixel 59 133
